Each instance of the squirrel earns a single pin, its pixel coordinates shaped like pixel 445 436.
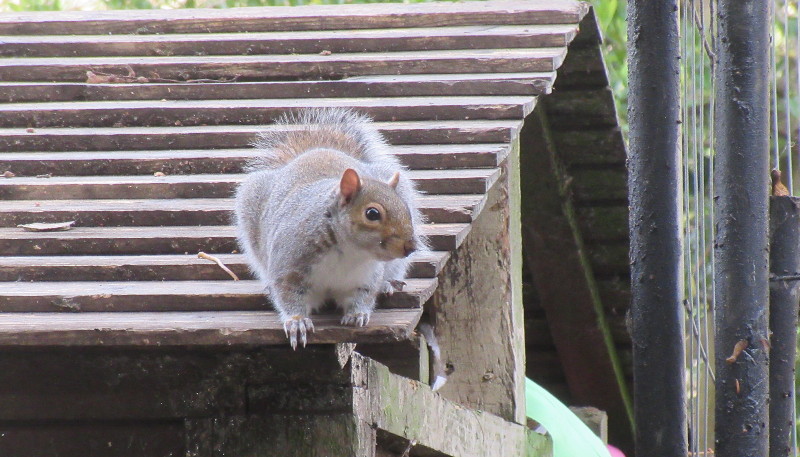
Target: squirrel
pixel 326 214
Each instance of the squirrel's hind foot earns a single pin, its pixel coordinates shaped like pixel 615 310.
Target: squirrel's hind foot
pixel 355 319
pixel 297 324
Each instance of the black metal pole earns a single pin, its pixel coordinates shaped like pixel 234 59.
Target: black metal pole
pixel 654 184
pixel 741 209
pixel 784 259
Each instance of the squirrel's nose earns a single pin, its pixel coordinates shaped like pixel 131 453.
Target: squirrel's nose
pixel 409 247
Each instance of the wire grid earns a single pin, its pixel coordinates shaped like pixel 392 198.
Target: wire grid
pixel 698 43
pixel 697 103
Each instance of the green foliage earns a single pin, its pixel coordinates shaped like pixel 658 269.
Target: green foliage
pixel 611 15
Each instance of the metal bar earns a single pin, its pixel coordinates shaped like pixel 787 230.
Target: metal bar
pixel 654 188
pixel 784 258
pixel 741 246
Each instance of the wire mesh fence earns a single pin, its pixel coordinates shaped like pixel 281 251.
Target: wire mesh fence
pixel 698 32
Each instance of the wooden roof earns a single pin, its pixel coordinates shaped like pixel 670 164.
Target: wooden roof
pixel 448 85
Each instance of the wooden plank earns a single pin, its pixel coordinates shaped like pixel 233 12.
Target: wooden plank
pixel 478 313
pixel 409 409
pixel 208 161
pixel 190 211
pixel 93 438
pixel 140 296
pixel 357 86
pixel 300 66
pixel 257 112
pixel 578 109
pixel 212 328
pixel 238 136
pixel 300 42
pixel 588 147
pixel 606 185
pixel 157 267
pixel 312 17
pixel 468 181
pixel 157 240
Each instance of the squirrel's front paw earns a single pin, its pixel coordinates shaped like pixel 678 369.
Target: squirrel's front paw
pixel 297 324
pixel 355 319
pixel 393 285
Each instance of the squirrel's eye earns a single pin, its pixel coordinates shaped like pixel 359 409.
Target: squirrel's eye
pixel 372 214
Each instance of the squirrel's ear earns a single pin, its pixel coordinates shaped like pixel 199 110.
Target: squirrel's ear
pixel 349 186
pixel 394 180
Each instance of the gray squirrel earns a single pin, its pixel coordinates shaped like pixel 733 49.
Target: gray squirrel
pixel 326 214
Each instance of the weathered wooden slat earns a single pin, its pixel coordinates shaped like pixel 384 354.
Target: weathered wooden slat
pixel 303 42
pixel 300 66
pixel 138 296
pixel 599 185
pixel 190 211
pixel 207 112
pixel 238 136
pixel 467 181
pixel 158 240
pixel 312 17
pixel 576 109
pixel 589 147
pixel 192 328
pixel 157 267
pixel 206 161
pixel 357 86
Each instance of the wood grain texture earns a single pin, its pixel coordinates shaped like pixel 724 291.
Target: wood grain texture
pixel 271 67
pixel 314 17
pixel 255 112
pixel 211 328
pixel 357 86
pixel 408 409
pixel 131 296
pixel 302 42
pixel 238 136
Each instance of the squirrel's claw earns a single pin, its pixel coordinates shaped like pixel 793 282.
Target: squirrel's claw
pixel 297 324
pixel 355 319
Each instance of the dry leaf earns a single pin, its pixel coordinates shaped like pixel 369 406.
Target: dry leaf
pixel 30 130
pixel 325 53
pixel 159 174
pixel 8 174
pixel 47 227
pixel 740 346
pixel 46 175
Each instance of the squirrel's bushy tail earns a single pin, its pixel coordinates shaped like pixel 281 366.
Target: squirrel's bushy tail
pixel 336 128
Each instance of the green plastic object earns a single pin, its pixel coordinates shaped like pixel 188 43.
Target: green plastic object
pixel 571 437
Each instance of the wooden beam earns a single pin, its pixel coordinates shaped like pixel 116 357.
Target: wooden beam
pixel 554 248
pixel 477 313
pixel 409 409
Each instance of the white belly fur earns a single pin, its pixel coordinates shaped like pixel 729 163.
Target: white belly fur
pixel 339 273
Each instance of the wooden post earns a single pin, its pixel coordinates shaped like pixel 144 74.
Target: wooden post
pixel 477 311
